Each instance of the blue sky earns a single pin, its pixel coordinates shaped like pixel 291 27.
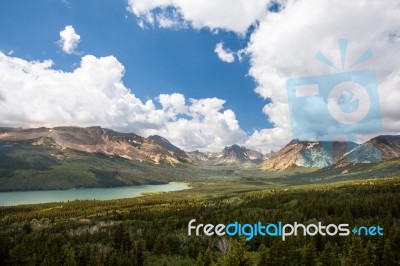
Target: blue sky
pixel 156 60
pixel 172 68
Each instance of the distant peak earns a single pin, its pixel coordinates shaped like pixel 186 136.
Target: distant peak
pixel 387 137
pixel 234 147
pixel 158 138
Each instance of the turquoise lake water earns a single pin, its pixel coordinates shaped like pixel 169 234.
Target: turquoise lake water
pixel 31 197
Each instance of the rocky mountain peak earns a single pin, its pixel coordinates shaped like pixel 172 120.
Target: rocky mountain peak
pixel 240 154
pixel 229 155
pixel 314 154
pixel 104 141
pixel 377 149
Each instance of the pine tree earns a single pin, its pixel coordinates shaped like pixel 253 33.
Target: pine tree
pixel 140 248
pixel 372 259
pixel 112 258
pixel 4 249
pixel 387 255
pixel 310 255
pixel 264 258
pixel 208 259
pixel 357 254
pixel 396 245
pixel 69 256
pixel 238 256
pixel 164 262
pixel 158 246
pixel 131 261
pixel 200 260
pixel 346 215
pixel 277 253
pixel 122 240
pixel 337 255
pixel 327 255
pixel 89 255
pixel 27 228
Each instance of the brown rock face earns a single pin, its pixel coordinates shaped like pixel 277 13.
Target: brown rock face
pixel 318 154
pixel 101 140
pixel 378 149
pixel 238 154
pixel 284 158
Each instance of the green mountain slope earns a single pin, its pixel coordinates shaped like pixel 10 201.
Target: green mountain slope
pixel 24 166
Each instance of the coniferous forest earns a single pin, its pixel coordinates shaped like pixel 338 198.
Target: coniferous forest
pixel 152 230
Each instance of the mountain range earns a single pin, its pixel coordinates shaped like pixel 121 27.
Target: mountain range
pixel 336 154
pixel 130 146
pixel 381 148
pixel 70 157
pixel 313 154
pixel 158 150
pixel 230 155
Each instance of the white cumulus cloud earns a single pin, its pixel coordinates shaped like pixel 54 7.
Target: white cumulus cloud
pixel 284 46
pixel 203 124
pixel 229 15
pixel 224 55
pixel 33 94
pixel 69 39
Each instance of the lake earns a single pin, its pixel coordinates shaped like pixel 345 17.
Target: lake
pixel 43 196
